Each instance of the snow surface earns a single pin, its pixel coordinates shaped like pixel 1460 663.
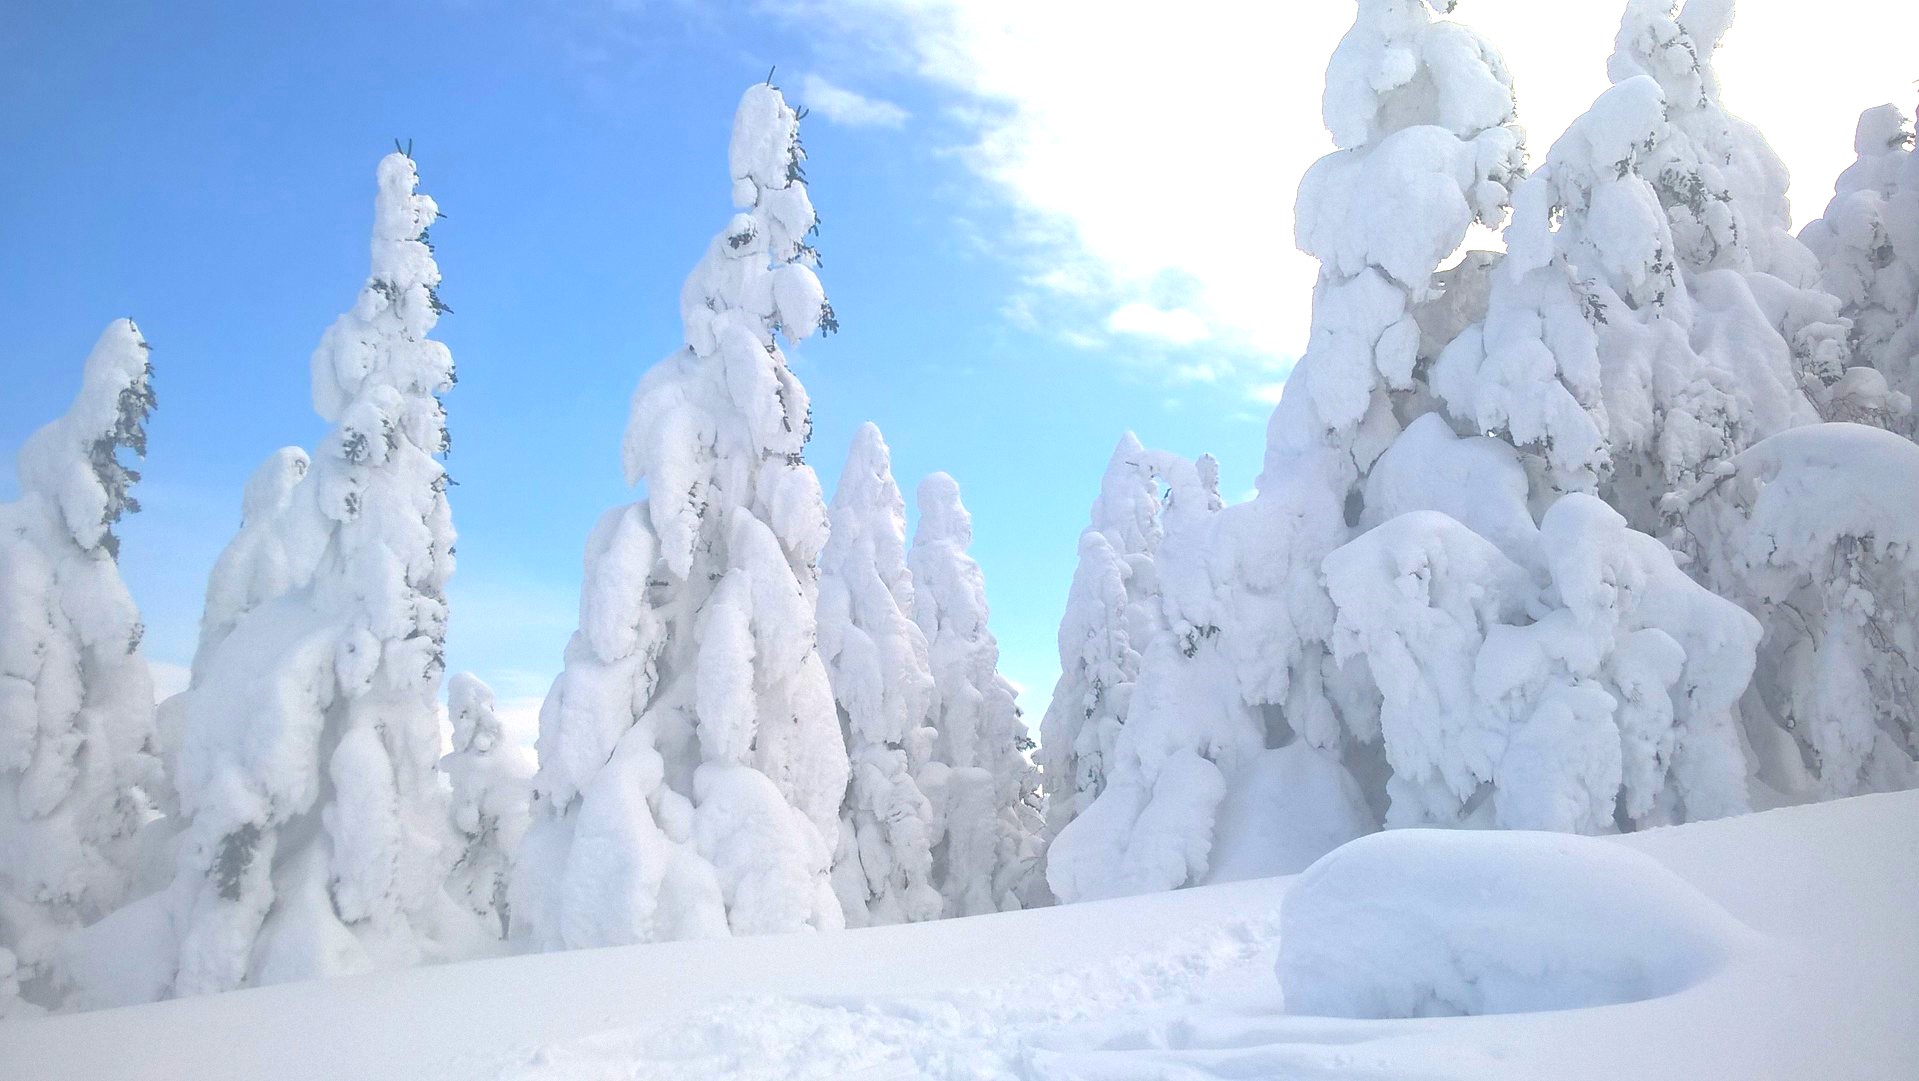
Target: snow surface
pixel 1171 985
pixel 1442 923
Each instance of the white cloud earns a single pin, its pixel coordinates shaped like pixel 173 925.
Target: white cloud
pixel 843 106
pixel 1177 326
pixel 1153 149
pixel 1270 393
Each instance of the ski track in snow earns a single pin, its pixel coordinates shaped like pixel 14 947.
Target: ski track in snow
pixel 1020 1028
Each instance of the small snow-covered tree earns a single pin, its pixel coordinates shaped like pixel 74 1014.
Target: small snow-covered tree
pixel 256 565
pixel 77 749
pixel 876 658
pixel 1112 612
pixel 984 788
pixel 1875 277
pixel 1815 531
pixel 691 765
pixel 315 834
pixel 492 794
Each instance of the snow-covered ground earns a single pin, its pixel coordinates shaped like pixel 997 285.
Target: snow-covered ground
pixel 1171 985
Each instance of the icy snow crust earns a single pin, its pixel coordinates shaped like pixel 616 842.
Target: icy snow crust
pixel 1172 985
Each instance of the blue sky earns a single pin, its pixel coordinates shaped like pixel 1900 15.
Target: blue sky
pixel 1040 229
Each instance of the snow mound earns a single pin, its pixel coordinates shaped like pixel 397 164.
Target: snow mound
pixel 1433 923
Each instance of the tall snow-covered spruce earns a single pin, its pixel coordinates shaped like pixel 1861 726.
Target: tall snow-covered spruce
pixel 77 751
pixel 983 787
pixel 315 837
pixel 692 769
pixel 876 658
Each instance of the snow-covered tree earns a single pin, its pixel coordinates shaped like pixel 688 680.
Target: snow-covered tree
pixel 492 794
pixel 255 567
pixel 315 836
pixel 877 661
pixel 983 787
pixel 1422 113
pixel 1588 241
pixel 1112 612
pixel 1816 531
pixel 1734 339
pixel 691 765
pixel 257 564
pixel 77 748
pixel 1428 615
pixel 1875 276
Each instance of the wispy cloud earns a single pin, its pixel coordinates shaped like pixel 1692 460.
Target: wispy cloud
pixel 1177 326
pixel 1149 163
pixel 847 107
pixel 1135 148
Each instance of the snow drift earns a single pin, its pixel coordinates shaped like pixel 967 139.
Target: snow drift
pixel 1427 923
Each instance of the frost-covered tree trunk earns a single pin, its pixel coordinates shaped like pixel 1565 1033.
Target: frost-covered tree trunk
pixel 983 787
pixel 492 794
pixel 1875 273
pixel 315 836
pixel 1112 612
pixel 77 748
pixel 876 659
pixel 691 765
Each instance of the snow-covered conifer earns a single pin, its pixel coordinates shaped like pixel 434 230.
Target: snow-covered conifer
pixel 1425 627
pixel 1112 612
pixel 983 787
pixel 315 833
pixel 1422 113
pixel 1875 277
pixel 77 749
pixel 1735 339
pixel 691 764
pixel 492 794
pixel 876 659
pixel 1815 531
pixel 255 566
